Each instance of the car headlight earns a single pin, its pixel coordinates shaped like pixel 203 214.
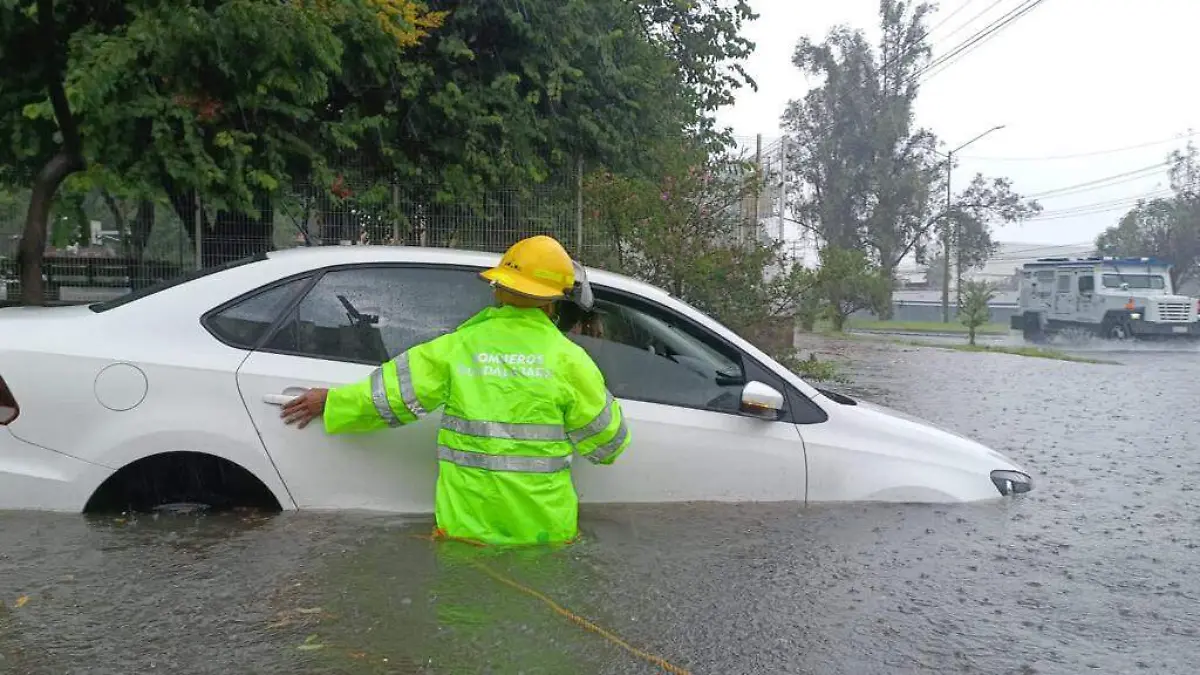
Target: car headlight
pixel 1135 316
pixel 1011 482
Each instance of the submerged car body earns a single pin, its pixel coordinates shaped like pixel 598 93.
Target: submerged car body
pixel 173 394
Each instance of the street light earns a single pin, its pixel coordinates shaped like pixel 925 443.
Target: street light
pixel 946 235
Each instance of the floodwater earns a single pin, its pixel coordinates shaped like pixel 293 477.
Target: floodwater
pixel 1092 572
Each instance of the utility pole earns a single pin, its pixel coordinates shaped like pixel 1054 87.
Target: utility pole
pixel 747 231
pixel 782 183
pixel 579 207
pixel 198 225
pixel 946 238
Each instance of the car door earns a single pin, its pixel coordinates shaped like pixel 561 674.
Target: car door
pixel 352 319
pixel 680 388
pixel 1064 297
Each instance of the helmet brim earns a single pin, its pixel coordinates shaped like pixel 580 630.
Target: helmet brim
pixel 521 285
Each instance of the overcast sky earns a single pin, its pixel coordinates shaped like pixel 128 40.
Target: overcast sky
pixel 1071 77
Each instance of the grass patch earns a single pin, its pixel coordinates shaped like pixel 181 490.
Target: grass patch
pixel 924 327
pixel 1031 352
pixel 813 369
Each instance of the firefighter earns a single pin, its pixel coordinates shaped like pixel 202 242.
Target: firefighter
pixel 519 399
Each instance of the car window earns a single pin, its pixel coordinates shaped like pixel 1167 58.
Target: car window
pixel 370 314
pixel 648 355
pixel 244 323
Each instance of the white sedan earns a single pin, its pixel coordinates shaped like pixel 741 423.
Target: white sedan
pixel 173 394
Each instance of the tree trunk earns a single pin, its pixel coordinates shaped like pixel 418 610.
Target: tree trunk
pixel 37 219
pixel 839 320
pixel 888 269
pixel 971 335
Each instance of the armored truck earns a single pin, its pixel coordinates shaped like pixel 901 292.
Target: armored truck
pixel 1111 298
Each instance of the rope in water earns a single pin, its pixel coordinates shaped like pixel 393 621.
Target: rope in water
pixel 575 618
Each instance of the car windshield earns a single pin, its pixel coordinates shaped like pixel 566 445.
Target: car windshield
pixel 106 305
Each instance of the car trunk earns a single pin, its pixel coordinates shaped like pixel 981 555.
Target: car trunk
pixel 21 328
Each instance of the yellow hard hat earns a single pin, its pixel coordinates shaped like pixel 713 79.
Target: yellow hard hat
pixel 537 267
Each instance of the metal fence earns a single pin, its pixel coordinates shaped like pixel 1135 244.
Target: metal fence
pixel 101 246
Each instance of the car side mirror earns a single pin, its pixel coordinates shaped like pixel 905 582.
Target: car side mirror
pixel 761 400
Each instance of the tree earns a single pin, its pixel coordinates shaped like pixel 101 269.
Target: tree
pixel 703 38
pixel 847 282
pixel 687 231
pixel 1166 227
pixel 166 96
pixel 33 66
pixel 975 310
pixel 246 124
pixel 865 177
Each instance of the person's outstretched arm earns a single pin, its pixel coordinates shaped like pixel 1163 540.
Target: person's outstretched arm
pixel 399 392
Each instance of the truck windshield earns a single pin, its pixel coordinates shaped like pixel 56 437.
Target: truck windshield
pixel 1143 281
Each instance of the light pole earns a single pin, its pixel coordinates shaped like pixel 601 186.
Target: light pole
pixel 946 229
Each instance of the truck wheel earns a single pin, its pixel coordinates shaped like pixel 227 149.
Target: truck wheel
pixel 1120 331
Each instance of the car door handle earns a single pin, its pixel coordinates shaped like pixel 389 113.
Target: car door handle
pixel 278 399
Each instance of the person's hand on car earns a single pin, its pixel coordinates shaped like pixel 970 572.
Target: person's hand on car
pixel 305 408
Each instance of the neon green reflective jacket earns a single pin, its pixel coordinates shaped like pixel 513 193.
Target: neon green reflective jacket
pixel 519 399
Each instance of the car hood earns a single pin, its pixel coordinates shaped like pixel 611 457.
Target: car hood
pixel 934 442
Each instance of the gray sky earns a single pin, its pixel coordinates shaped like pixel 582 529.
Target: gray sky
pixel 1071 77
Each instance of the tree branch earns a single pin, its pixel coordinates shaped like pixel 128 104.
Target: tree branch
pixel 54 79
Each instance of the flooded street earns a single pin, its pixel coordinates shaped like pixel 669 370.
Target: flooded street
pixel 1088 573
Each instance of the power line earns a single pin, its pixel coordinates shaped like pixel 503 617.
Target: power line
pixel 1127 199
pixel 1096 208
pixel 987 33
pixel 973 38
pixel 968 22
pixel 919 41
pixel 1079 155
pixel 951 15
pixel 1099 183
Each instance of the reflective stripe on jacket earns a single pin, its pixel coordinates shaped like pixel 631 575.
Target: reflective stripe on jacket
pixel 519 398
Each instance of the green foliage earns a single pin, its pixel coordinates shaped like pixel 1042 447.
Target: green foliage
pixel 687 232
pixel 975 311
pixel 847 282
pixel 245 101
pixel 703 39
pixel 1166 228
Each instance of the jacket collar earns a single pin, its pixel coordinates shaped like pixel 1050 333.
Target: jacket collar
pixel 509 312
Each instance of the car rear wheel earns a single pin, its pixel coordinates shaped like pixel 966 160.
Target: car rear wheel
pixel 181 482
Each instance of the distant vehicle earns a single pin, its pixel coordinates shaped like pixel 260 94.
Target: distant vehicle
pixel 171 395
pixel 1111 298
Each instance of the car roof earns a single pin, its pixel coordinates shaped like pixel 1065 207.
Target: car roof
pixel 309 257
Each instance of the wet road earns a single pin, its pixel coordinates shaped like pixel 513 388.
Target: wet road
pixel 1089 573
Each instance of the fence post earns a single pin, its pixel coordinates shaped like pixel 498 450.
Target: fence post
pixel 395 212
pixel 579 208
pixel 199 234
